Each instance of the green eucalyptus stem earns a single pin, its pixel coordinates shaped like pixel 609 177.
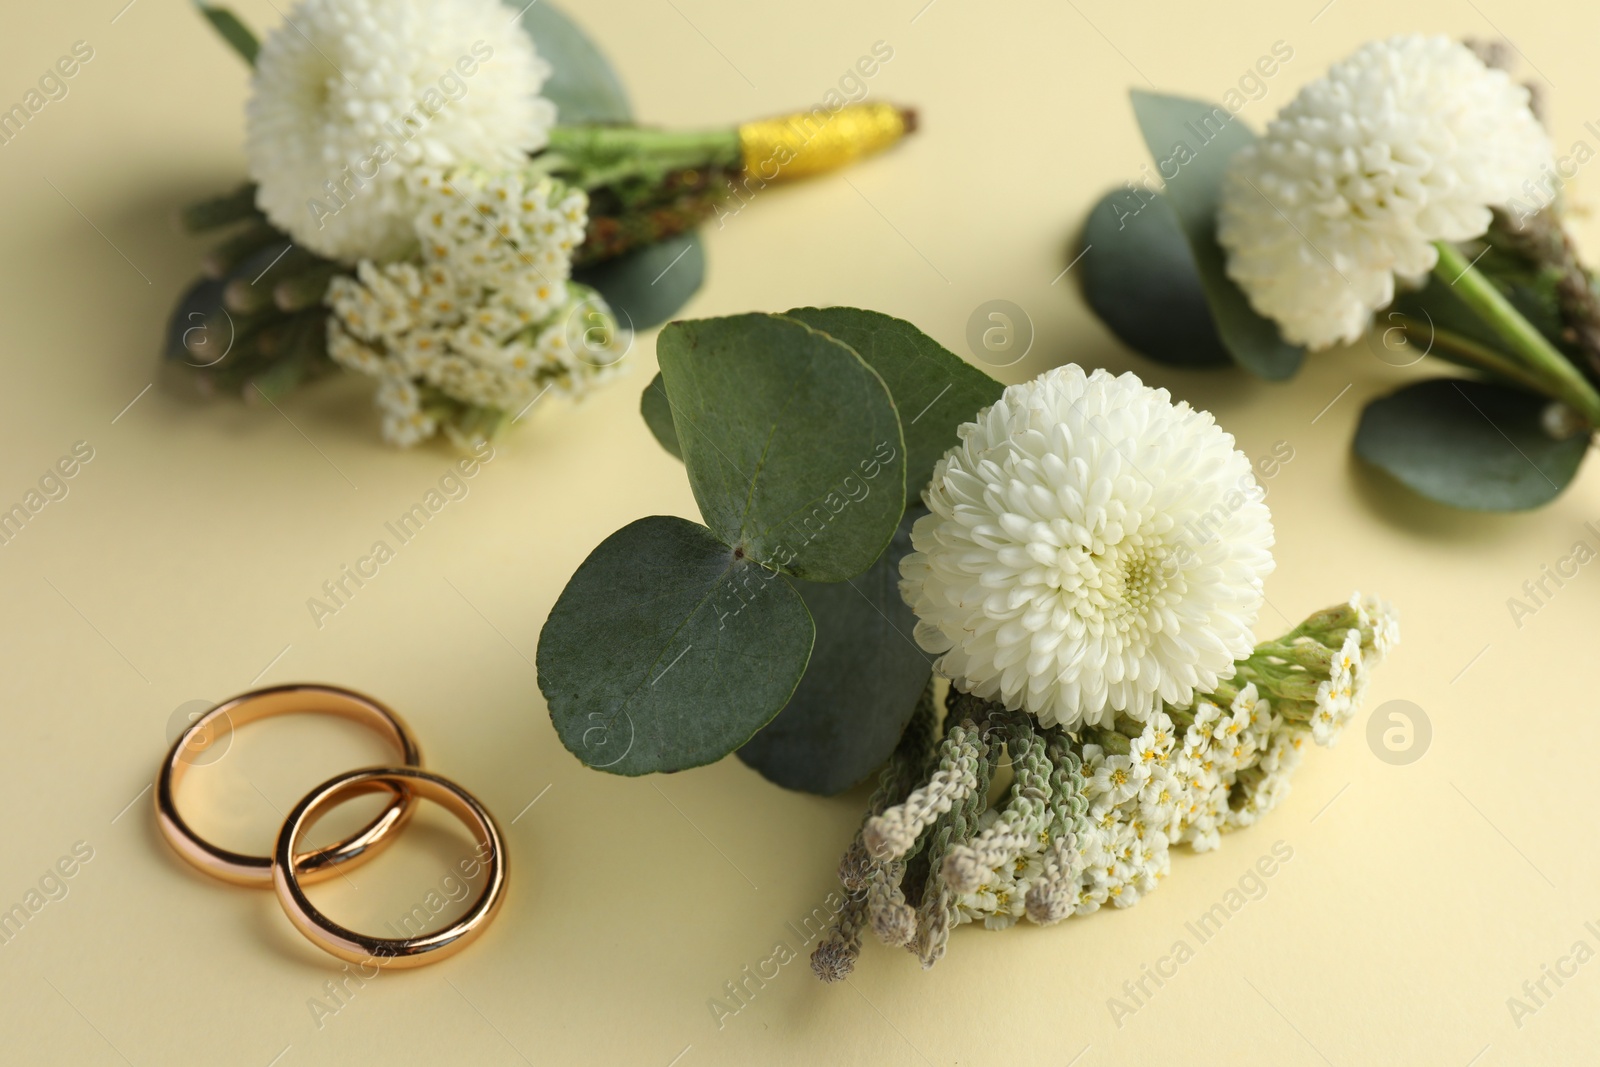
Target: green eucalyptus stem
pixel 1557 375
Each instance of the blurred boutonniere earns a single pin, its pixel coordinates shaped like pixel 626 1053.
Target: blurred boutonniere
pixel 451 197
pixel 1077 578
pixel 1409 196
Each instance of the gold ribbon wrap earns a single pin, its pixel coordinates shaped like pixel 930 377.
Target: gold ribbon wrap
pixel 811 142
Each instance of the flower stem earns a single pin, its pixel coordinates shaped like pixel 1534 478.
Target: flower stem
pixel 1459 349
pixel 1541 359
pixel 603 155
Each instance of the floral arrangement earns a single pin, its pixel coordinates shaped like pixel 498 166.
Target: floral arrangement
pixel 450 197
pixel 1081 576
pixel 1409 195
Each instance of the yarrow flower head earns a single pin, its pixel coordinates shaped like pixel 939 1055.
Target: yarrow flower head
pixel 487 321
pixel 351 96
pixel 1092 549
pixel 1409 141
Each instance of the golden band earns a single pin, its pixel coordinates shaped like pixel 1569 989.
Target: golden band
pixel 260 704
pixel 811 142
pixel 388 952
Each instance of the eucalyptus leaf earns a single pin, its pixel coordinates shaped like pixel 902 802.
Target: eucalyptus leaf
pixel 1192 142
pixel 860 688
pixel 583 85
pixel 790 439
pixel 233 30
pixel 647 286
pixel 1469 444
pixel 657 412
pixel 1138 274
pixel 934 390
pixel 667 651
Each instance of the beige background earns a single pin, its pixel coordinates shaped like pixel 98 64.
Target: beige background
pixel 1418 899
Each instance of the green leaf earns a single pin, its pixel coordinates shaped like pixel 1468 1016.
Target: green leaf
pixel 1194 141
pixel 667 651
pixel 583 85
pixel 860 688
pixel 657 412
pixel 934 390
pixel 1138 274
pixel 647 286
pixel 1469 444
pixel 234 31
pixel 791 441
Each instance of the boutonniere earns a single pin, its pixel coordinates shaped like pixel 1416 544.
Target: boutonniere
pixel 451 197
pixel 1079 573
pixel 1409 197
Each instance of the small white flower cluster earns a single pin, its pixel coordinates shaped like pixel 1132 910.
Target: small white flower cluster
pixel 1001 899
pixel 1379 616
pixel 486 319
pixel 1190 776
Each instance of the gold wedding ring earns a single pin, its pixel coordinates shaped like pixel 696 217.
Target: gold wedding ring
pixel 260 704
pixel 287 870
pixel 288 867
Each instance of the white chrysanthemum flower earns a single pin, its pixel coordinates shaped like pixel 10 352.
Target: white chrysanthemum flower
pixel 487 320
pixel 1092 549
pixel 1409 141
pixel 351 96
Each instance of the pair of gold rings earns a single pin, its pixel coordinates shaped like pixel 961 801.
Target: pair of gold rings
pixel 288 869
